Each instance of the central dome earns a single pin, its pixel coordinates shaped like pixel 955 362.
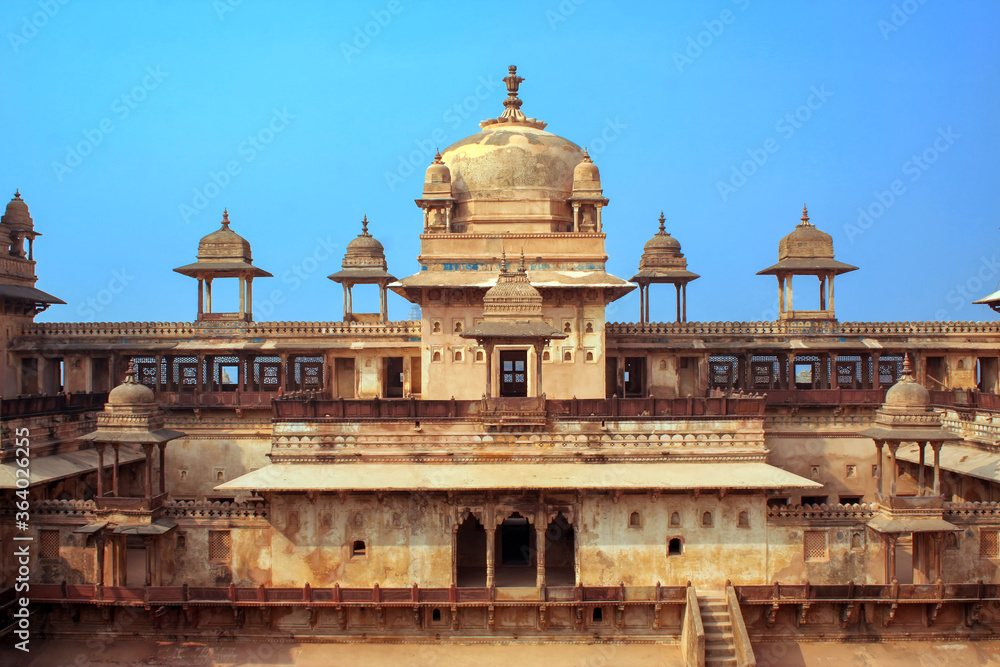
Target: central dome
pixel 512 158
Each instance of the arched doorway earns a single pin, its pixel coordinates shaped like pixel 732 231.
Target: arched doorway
pixel 470 553
pixel 560 552
pixel 515 550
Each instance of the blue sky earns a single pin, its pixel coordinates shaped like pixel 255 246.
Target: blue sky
pixel 130 126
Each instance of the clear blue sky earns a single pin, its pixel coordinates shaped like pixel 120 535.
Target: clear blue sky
pixel 321 122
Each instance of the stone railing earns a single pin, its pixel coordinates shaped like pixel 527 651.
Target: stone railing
pixel 692 631
pixel 211 509
pixel 779 327
pixel 836 511
pixel 64 507
pixel 169 329
pixel 957 510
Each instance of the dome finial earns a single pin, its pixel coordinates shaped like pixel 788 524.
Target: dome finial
pixel 503 262
pixel 130 373
pixel 437 157
pixel 225 218
pixel 663 222
pixel 364 226
pixel 805 215
pixel 521 268
pixel 586 156
pixel 17 193
pixel 907 369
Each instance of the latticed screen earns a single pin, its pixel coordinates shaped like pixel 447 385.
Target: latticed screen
pixel 308 372
pixel 226 370
pixel 146 372
pixel 185 373
pixel 989 546
pixel 889 369
pixel 266 373
pixel 849 372
pixel 764 373
pixel 815 544
pixel 808 369
pixel 513 371
pixel 220 545
pixel 48 543
pixel 721 371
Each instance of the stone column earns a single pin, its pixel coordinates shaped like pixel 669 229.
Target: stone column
pixel 201 297
pixel 684 302
pixel 243 297
pixel 491 529
pixel 148 467
pixel 822 292
pixel 921 489
pixel 250 298
pixel 163 468
pixel 893 446
pixel 208 294
pixel 344 285
pixel 881 465
pixel 101 545
pixel 100 468
pixel 114 470
pixel 936 447
pixel 781 295
pixel 789 287
pixel 891 567
pixel 540 527
pixel 538 369
pixel 489 368
pixel 830 300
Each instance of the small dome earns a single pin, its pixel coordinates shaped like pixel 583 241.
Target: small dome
pixel 513 296
pixel 224 244
pixel 364 251
pixel 586 170
pixel 907 393
pixel 805 242
pixel 662 241
pixel 131 391
pixel 438 172
pixel 16 217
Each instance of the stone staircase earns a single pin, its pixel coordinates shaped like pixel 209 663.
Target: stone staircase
pixel 719 647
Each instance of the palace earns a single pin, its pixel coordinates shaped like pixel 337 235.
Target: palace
pixel 512 465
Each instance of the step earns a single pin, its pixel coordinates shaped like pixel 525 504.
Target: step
pixel 726 652
pixel 720 662
pixel 718 636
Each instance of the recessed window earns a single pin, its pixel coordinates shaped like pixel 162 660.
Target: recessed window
pixel 436 327
pixel 989 545
pixel 675 547
pixel 744 520
pixel 675 519
pixel 48 544
pixel 857 542
pixel 706 520
pixel 814 471
pixel 480 355
pixel 590 356
pixel 458 326
pixel 546 356
pixel 457 356
pixel 590 327
pixel 358 549
pixel 567 327
pixel 567 356
pixel 436 616
pixel 598 615
pixel 851 471
pixel 181 541
pixel 436 356
pixel 634 520
pixel 220 545
pixel 814 545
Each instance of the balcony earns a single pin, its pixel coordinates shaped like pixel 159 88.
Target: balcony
pixel 129 505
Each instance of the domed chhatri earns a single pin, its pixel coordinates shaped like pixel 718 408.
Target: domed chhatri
pixel 515 154
pixel 907 393
pixel 437 201
pixel 131 392
pixel 364 264
pixel 663 262
pixel 513 296
pixel 224 254
pixel 17 272
pixel 806 251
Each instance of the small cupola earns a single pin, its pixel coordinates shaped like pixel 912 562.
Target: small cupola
pixel 663 262
pixel 587 200
pixel 364 264
pixel 806 251
pixel 224 254
pixel 437 201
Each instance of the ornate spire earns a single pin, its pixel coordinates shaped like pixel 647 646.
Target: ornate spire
pixel 364 227
pixel 503 262
pixel 586 156
pixel 437 157
pixel 17 193
pixel 512 105
pixel 907 375
pixel 805 216
pixel 663 222
pixel 225 218
pixel 522 267
pixel 130 373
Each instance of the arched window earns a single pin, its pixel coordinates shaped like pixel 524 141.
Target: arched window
pixel 634 520
pixel 744 520
pixel 675 519
pixel 675 547
pixel 706 519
